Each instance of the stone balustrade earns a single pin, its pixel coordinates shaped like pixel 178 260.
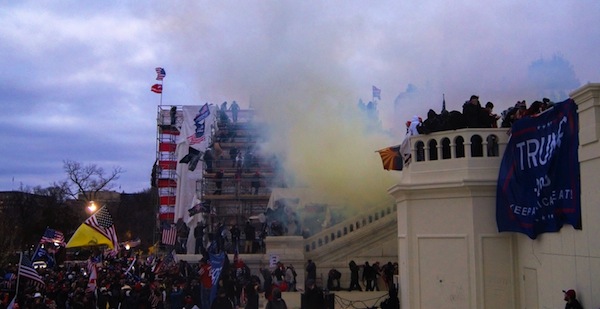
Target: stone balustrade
pixel 347 227
pixel 456 144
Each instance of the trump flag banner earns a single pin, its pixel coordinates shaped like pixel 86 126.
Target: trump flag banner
pixel 538 186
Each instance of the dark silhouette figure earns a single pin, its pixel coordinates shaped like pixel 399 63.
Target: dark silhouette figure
pixel 311 271
pixel 250 233
pixel 256 182
pixel 392 302
pixel 354 276
pixel 333 280
pixel 208 160
pixel 173 114
pixel 235 108
pixel 199 235
pixel 219 182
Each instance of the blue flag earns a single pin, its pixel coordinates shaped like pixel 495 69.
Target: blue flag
pixel 41 254
pixel 538 185
pixel 218 261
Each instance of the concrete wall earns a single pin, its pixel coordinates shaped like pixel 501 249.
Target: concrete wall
pixel 570 259
pixel 450 253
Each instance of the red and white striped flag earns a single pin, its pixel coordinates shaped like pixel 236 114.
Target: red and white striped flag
pixel 169 236
pixel 157 88
pixel 53 236
pixel 26 270
pixel 91 286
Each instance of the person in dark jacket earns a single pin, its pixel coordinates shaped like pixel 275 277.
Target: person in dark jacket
pixel 222 301
pixel 571 299
pixel 311 270
pixel 392 302
pixel 250 233
pixel 251 290
pixel 354 285
pixel 219 182
pixel 369 276
pixel 313 297
pixel 277 302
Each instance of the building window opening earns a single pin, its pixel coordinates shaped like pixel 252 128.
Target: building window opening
pixel 446 154
pixel 433 155
pixel 420 146
pixel 492 145
pixel 476 146
pixel 460 147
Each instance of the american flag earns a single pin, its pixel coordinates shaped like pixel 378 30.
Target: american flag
pixel 91 286
pixel 53 236
pixel 26 270
pixel 169 235
pixel 154 299
pixel 166 263
pixel 160 73
pixel 102 222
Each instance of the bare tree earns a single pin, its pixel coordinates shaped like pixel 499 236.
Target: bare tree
pixel 87 180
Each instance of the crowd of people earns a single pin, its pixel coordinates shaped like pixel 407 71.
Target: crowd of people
pixel 148 283
pixel 474 115
pixel 152 283
pixel 372 276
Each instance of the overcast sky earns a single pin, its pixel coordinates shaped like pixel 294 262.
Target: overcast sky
pixel 77 74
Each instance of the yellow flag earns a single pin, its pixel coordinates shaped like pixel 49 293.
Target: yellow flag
pixel 88 236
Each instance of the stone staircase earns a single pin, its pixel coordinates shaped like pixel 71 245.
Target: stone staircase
pixel 367 237
pixel 370 236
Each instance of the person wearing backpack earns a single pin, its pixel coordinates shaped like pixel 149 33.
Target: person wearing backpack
pixel 290 278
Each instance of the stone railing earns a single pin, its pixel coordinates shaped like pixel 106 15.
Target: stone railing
pixel 455 144
pixel 348 226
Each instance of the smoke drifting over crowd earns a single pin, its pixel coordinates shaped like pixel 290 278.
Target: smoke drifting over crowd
pixel 302 65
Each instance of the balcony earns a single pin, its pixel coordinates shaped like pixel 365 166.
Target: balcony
pixel 465 155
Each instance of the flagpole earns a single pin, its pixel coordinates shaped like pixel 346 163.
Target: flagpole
pixel 162 82
pixel 160 76
pixel 443 102
pixel 19 273
pixel 35 253
pixel 131 266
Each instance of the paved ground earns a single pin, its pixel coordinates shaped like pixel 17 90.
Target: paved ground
pixel 342 299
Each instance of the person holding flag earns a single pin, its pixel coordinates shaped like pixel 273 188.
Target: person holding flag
pixel 27 271
pixel 54 237
pixel 49 243
pixel 96 230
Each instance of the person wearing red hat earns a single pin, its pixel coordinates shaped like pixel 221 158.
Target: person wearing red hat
pixel 571 299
